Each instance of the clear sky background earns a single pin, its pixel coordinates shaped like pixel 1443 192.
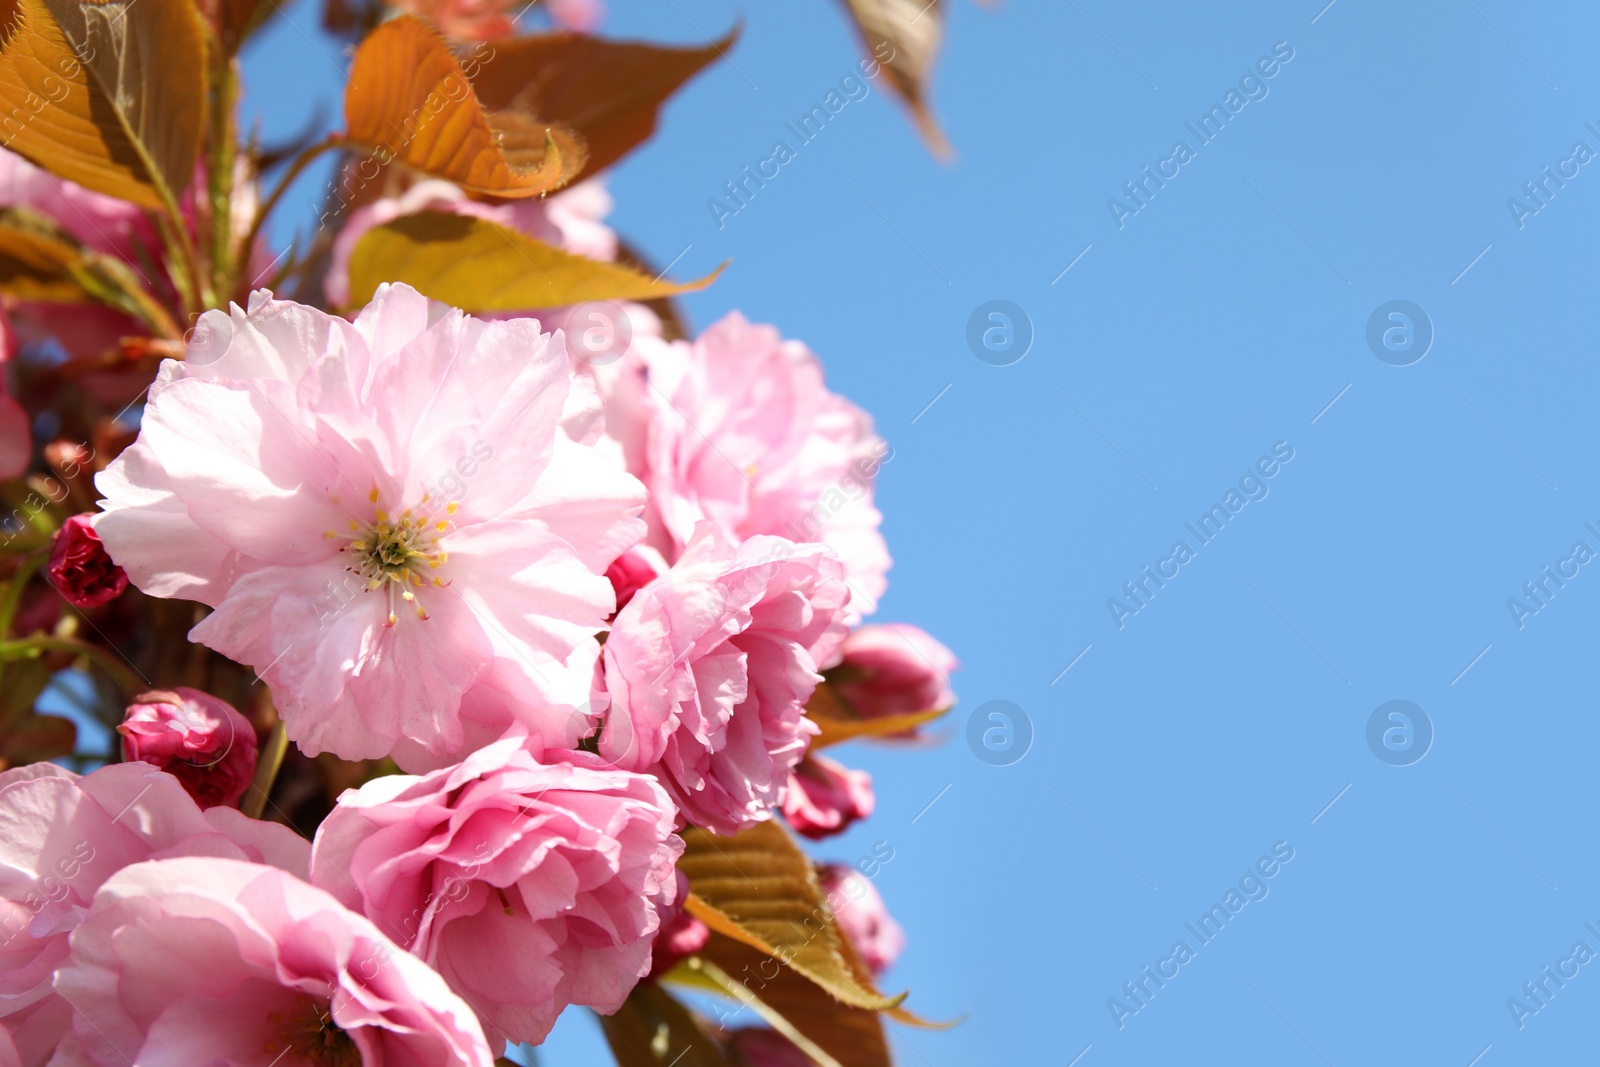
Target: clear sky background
pixel 1229 314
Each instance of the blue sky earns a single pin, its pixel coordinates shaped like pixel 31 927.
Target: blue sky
pixel 1220 329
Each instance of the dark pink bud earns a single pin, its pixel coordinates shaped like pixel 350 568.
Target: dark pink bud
pixel 681 935
pixel 80 568
pixel 824 798
pixel 861 916
pixel 633 570
pixel 201 741
pixel 894 669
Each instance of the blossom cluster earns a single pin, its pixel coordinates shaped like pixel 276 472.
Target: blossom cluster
pixel 580 605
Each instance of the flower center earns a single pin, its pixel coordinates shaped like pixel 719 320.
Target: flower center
pixel 313 1035
pixel 398 555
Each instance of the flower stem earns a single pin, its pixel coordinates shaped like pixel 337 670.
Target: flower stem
pixel 255 801
pixel 28 647
pixel 12 597
pixel 299 164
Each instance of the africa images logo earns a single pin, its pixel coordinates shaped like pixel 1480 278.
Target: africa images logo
pixel 1252 88
pixel 1252 486
pixel 1251 888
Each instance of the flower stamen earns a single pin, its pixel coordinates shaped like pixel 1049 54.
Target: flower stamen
pixel 397 554
pixel 312 1034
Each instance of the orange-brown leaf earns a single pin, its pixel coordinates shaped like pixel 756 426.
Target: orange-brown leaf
pixel 479 266
pixel 838 731
pixel 652 1029
pixel 408 99
pixel 110 95
pixel 608 92
pixel 837 722
pixel 853 1036
pixel 757 887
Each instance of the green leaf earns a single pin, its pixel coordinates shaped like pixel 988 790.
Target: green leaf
pixel 39 262
pixel 758 888
pixel 478 265
pixel 652 1029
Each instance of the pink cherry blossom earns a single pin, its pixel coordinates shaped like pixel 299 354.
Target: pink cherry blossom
pixel 862 916
pixel 894 669
pixel 709 667
pixel 388 518
pixel 824 798
pixel 530 886
pixel 61 836
pixel 570 220
pixel 745 433
pixel 201 741
pixel 218 961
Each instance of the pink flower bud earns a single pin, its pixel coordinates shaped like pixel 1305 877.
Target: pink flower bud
pixel 80 568
pixel 583 16
pixel 895 669
pixel 633 570
pixel 824 798
pixel 199 740
pixel 861 916
pixel 681 936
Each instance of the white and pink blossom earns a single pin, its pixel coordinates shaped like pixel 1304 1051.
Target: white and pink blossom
pixel 386 517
